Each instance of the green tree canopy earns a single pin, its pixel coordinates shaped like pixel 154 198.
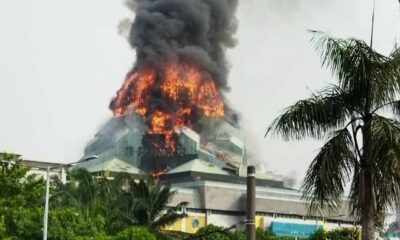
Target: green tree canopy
pixel 135 233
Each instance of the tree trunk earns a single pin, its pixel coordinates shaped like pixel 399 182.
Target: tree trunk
pixel 367 185
pixel 368 208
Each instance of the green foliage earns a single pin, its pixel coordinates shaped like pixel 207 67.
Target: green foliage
pixel 94 198
pixel 21 208
pixel 144 203
pixel 2 228
pixel 66 223
pixel 336 234
pixel 212 232
pixel 85 208
pixel 320 234
pixel 135 233
pixel 21 197
pixel 343 234
pixel 265 235
pixel 122 202
pixel 24 223
pixel 101 236
pixel 17 189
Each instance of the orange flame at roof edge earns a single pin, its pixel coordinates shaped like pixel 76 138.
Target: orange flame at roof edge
pixel 185 90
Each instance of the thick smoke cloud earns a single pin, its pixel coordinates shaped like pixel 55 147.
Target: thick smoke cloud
pixel 193 30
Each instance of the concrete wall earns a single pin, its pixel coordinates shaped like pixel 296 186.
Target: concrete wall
pixel 223 220
pixel 194 221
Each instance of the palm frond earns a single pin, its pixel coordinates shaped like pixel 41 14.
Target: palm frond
pixel 163 196
pixel 355 193
pixel 167 218
pixel 385 153
pixel 314 117
pixel 394 106
pixel 325 179
pixel 170 216
pixel 360 70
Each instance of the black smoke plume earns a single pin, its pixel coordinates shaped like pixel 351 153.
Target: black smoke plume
pixel 193 30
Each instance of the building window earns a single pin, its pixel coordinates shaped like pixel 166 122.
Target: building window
pixel 129 151
pixel 195 223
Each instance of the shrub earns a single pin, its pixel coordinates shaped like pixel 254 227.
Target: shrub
pixel 212 232
pixel 336 234
pixel 135 233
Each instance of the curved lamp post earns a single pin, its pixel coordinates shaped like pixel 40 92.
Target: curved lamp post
pixel 47 196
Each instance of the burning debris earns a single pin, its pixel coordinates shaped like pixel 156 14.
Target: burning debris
pixel 181 70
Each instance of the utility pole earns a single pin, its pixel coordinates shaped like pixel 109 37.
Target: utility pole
pixel 47 196
pixel 46 205
pixel 251 203
pixel 373 23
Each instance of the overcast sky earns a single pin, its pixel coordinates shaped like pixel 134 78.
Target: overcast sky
pixel 61 62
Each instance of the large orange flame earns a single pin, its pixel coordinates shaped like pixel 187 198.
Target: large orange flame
pixel 184 91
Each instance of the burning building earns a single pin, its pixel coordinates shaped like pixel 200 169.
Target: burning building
pixel 171 109
pixel 171 119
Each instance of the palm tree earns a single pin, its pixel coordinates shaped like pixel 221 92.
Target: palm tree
pixel 145 203
pixel 362 145
pixel 93 197
pixel 121 202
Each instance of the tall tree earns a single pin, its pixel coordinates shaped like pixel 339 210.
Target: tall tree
pixel 83 191
pixel 362 144
pixel 21 195
pixel 122 202
pixel 94 197
pixel 145 203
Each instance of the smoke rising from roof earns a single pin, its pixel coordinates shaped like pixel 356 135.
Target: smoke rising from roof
pixel 198 31
pixel 181 69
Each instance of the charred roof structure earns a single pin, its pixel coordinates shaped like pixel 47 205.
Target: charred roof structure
pixel 123 145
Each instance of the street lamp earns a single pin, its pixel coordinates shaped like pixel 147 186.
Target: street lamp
pixel 46 203
pixel 47 196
